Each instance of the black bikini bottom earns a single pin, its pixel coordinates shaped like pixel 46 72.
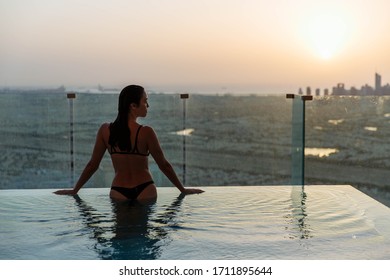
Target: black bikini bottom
pixel 132 193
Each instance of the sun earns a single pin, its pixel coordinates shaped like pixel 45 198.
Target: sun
pixel 326 35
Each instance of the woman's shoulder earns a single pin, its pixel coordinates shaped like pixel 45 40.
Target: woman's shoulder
pixel 148 130
pixel 105 126
pixel 104 129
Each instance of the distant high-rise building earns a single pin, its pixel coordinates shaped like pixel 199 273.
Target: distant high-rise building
pixel 378 83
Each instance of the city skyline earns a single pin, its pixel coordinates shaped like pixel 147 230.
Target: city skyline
pixel 340 89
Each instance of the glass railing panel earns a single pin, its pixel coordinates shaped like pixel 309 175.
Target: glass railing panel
pixel 297 140
pixel 33 139
pixel 347 141
pixel 91 110
pixel 229 140
pixel 239 140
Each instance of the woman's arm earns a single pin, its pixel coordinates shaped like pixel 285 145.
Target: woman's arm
pixel 93 164
pixel 164 165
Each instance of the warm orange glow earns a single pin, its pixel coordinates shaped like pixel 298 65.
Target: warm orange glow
pixel 248 45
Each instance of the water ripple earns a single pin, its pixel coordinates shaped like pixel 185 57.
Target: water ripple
pixel 230 223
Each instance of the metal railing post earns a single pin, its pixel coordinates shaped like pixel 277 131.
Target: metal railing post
pixel 70 97
pixel 304 99
pixel 184 97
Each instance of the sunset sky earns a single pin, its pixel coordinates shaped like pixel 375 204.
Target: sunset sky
pixel 194 45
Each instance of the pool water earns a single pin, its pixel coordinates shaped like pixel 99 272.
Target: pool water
pixel 276 222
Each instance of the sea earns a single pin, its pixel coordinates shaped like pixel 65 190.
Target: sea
pixel 211 140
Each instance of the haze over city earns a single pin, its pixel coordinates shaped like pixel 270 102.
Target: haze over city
pixel 195 45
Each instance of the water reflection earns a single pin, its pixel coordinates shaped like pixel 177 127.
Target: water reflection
pixel 131 230
pixel 298 217
pixel 320 152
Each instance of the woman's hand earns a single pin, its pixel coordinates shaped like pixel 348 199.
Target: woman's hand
pixel 65 192
pixel 192 191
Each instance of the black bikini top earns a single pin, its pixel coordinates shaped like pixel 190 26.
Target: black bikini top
pixel 114 150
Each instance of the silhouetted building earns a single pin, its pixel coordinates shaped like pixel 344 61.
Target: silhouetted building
pixel 339 89
pixel 367 90
pixel 386 89
pixel 354 91
pixel 378 82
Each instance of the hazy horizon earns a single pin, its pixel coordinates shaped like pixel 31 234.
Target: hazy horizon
pixel 206 46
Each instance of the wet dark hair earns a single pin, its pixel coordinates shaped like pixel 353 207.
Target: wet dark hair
pixel 119 129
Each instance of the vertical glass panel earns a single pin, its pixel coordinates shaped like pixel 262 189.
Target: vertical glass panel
pixel 347 141
pixel 34 140
pixel 297 141
pixel 90 111
pixel 239 140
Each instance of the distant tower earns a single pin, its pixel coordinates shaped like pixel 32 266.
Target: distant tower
pixel 378 83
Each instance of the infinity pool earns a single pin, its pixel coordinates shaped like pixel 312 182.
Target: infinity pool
pixel 278 222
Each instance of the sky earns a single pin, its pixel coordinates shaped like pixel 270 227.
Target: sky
pixel 238 46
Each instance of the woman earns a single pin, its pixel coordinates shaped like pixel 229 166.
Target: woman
pixel 129 145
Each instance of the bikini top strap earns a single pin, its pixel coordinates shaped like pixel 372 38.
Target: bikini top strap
pixel 136 139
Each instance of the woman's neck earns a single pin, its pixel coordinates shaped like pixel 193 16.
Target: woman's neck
pixel 131 118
